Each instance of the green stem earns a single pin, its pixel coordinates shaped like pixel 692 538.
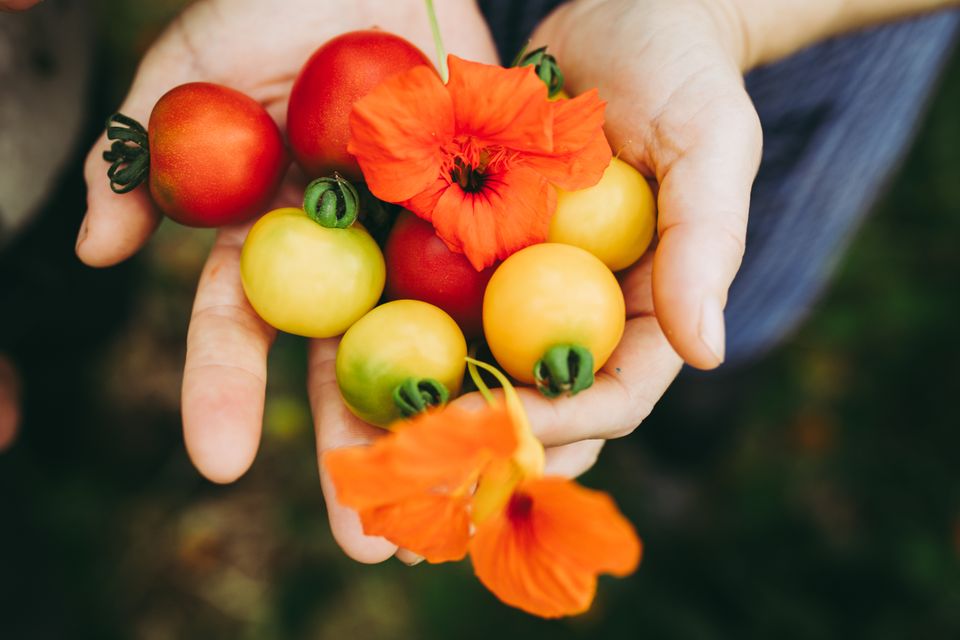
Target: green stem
pixel 564 368
pixel 438 41
pixel 332 202
pixel 545 66
pixel 416 395
pixel 129 155
pixel 477 378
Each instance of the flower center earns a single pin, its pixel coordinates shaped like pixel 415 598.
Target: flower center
pixel 471 179
pixel 519 507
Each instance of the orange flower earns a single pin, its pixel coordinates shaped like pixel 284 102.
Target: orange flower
pixel 477 156
pixel 413 486
pixel 539 543
pixel 542 552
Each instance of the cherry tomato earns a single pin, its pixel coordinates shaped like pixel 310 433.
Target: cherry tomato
pixel 421 267
pixel 308 279
pixel 215 155
pixel 614 219
pixel 401 347
pixel 338 74
pixel 551 306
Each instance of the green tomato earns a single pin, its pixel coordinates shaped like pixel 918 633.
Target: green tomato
pixel 307 279
pixel 396 342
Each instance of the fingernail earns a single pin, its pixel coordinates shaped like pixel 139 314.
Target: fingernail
pixel 412 562
pixel 82 234
pixel 712 333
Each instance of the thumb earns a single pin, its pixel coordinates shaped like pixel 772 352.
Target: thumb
pixel 704 201
pixel 116 226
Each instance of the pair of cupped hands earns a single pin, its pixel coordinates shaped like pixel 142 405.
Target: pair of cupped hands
pixel 677 110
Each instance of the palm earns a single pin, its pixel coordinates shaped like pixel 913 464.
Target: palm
pixel 248 45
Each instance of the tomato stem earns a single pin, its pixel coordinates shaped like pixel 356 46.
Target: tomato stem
pixel 332 202
pixel 416 395
pixel 545 66
pixel 564 368
pixel 129 155
pixel 437 41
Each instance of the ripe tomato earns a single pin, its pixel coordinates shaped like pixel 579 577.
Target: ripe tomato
pixel 215 156
pixel 553 296
pixel 421 267
pixel 396 342
pixel 614 219
pixel 338 74
pixel 307 279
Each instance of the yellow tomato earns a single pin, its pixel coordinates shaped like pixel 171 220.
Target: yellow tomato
pixel 614 219
pixel 551 295
pixel 307 279
pixel 397 342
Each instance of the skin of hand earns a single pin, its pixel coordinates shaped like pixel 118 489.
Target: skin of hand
pixel 671 71
pixel 248 45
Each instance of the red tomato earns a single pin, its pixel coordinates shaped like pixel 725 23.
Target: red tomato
pixel 421 267
pixel 338 74
pixel 216 156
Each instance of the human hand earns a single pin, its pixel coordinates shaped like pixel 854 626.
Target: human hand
pixel 253 47
pixel 678 111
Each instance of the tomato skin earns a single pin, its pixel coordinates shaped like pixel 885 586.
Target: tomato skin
pixel 396 341
pixel 338 74
pixel 216 156
pixel 546 295
pixel 421 267
pixel 614 219
pixel 309 280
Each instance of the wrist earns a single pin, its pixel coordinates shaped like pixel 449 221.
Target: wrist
pixel 774 29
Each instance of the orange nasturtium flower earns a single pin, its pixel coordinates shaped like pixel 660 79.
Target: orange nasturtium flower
pixel 538 543
pixel 477 157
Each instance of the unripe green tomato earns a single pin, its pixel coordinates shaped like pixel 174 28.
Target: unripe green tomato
pixel 307 279
pixel 396 341
pixel 614 219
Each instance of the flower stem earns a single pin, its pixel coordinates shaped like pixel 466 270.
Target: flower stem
pixel 477 380
pixel 438 41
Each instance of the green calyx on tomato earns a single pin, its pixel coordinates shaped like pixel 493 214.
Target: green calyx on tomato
pixel 545 65
pixel 416 395
pixel 129 155
pixel 564 368
pixel 332 202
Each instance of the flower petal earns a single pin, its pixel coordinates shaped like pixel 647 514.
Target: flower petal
pixel 442 449
pixel 543 552
pixel 512 211
pixel 411 486
pixel 397 130
pixel 435 526
pixel 501 106
pixel 581 151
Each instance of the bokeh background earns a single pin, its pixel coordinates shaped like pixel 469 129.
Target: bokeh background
pixel 814 494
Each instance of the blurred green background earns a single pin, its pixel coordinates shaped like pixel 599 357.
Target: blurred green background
pixel 813 495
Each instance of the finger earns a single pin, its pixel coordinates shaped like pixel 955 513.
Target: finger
pixel 408 557
pixel 224 378
pixel 117 225
pixel 336 427
pixel 704 199
pixel 9 403
pixel 574 459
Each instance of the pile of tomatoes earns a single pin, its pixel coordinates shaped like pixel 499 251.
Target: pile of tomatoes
pixel 551 313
